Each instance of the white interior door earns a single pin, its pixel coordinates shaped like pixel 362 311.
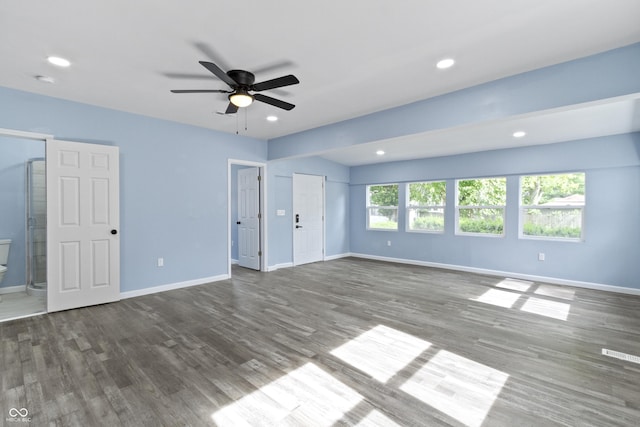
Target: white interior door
pixel 83 244
pixel 308 218
pixel 249 218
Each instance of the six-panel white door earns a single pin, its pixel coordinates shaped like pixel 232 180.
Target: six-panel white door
pixel 248 218
pixel 308 218
pixel 83 241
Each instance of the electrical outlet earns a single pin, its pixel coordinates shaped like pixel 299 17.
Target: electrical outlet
pixel 160 262
pixel 540 256
pixel 388 242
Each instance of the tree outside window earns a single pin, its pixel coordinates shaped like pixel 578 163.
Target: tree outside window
pixel 425 206
pixel 481 205
pixel 382 207
pixel 551 206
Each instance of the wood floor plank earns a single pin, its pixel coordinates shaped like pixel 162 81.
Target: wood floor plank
pixel 418 347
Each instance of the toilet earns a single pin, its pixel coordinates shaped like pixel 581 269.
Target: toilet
pixel 4 256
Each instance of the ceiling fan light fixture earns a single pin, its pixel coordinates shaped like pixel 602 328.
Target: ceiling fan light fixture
pixel 241 98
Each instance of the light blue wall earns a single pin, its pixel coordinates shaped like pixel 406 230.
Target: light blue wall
pixel 280 189
pixel 609 74
pixel 173 197
pixel 14 153
pixel 608 255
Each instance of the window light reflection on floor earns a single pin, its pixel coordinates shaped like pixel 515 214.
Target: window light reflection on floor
pixel 307 395
pixel 497 297
pixel 515 284
pixel 461 388
pixel 378 419
pixel 381 352
pixel 543 307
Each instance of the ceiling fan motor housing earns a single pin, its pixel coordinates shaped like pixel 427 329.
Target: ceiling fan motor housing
pixel 243 78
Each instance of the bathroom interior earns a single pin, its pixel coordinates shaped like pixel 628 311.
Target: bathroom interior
pixel 23 265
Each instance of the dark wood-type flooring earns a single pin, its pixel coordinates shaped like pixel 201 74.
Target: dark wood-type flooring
pixel 345 342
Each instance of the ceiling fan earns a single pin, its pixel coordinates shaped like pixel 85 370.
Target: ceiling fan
pixel 242 82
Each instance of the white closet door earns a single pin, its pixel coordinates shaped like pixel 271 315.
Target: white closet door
pixel 83 240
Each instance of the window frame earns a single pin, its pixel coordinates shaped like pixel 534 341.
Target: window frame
pixel 458 208
pixel 523 208
pixel 369 206
pixel 408 208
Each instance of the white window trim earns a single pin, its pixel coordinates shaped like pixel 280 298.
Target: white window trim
pixel 370 206
pixel 458 232
pixel 522 208
pixel 408 207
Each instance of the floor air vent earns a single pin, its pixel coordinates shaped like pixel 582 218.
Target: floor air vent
pixel 621 356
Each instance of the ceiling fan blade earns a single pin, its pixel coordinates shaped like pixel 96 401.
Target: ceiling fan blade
pixel 219 73
pixel 274 83
pixel 199 91
pixel 272 101
pixel 231 109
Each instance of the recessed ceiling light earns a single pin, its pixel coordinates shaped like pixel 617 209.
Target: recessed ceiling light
pixel 60 62
pixel 45 79
pixel 519 134
pixel 445 63
pixel 380 152
pixel 272 118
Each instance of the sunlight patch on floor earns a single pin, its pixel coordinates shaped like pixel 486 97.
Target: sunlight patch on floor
pixel 305 396
pixel 381 352
pixel 376 419
pixel 459 387
pixel 556 292
pixel 515 284
pixel 543 307
pixel 497 297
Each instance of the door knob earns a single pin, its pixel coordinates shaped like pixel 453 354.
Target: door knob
pixel 238 222
pixel 114 232
pixel 298 226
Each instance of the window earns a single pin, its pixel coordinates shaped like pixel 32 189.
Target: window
pixel 425 206
pixel 551 206
pixel 480 206
pixel 382 207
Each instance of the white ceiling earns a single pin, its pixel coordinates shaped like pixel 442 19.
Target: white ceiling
pixel 128 55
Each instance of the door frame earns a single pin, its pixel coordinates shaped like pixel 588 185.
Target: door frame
pixel 19 134
pixel 263 210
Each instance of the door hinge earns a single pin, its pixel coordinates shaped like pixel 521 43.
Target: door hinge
pixel 259 253
pixel 259 215
pixel 259 178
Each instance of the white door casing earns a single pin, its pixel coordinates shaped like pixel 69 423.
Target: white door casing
pixel 308 218
pixel 83 224
pixel 249 218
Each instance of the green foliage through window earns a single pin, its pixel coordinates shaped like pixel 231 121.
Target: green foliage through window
pixel 425 206
pixel 481 204
pixel 552 205
pixel 382 206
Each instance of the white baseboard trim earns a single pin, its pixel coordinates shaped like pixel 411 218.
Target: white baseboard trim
pixel 172 286
pixel 279 266
pixel 332 257
pixel 12 289
pixel 234 261
pixel 545 279
pixel 290 264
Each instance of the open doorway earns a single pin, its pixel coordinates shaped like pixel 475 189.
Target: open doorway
pixel 246 220
pixel 23 266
